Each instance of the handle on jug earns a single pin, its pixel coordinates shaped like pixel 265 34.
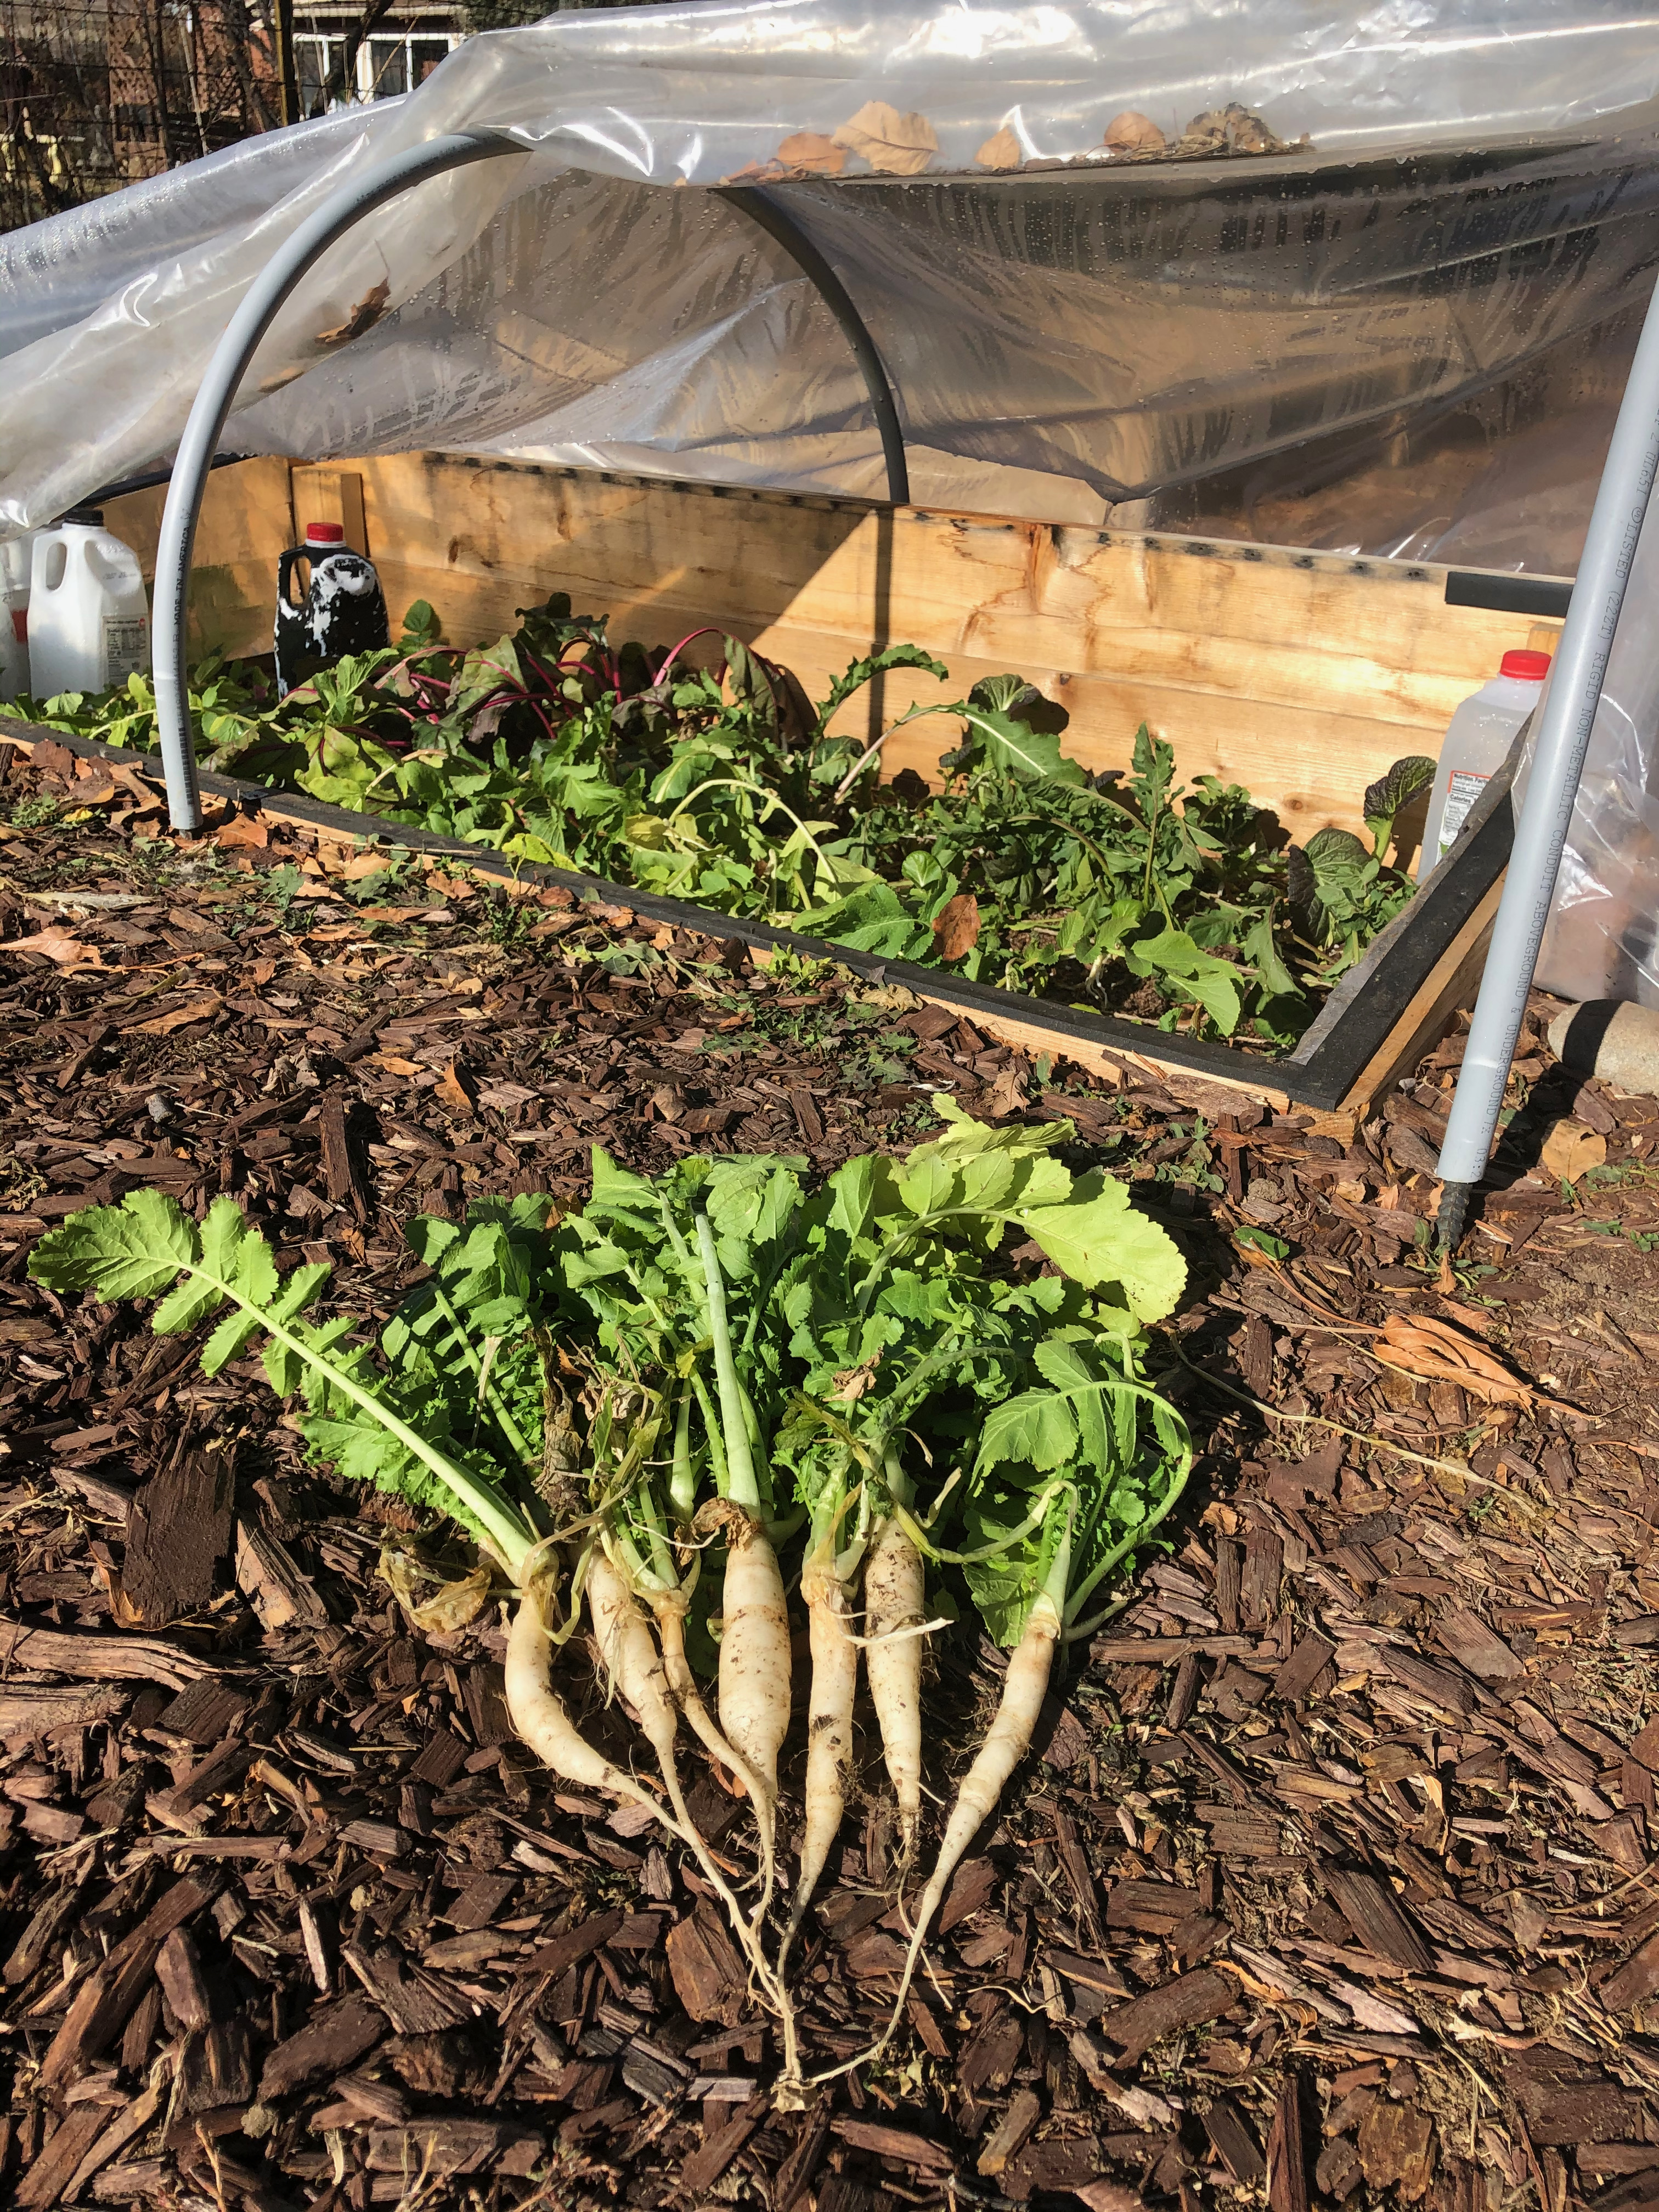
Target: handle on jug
pixel 284 572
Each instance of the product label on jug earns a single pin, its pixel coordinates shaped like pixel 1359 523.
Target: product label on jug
pixel 1465 787
pixel 126 648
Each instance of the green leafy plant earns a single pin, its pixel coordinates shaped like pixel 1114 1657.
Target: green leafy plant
pixel 705 773
pixel 718 1357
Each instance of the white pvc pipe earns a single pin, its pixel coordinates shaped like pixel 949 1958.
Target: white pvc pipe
pixel 214 401
pixel 1565 722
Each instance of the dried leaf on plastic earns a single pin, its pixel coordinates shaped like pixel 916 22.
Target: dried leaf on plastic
pixel 955 925
pixel 1570 1150
pixel 1004 151
pixel 812 151
pixel 1229 129
pixel 899 145
pixel 1134 133
pixel 1436 1352
pixel 363 317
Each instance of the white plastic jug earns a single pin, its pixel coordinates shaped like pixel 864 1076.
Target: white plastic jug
pixel 1475 746
pixel 88 619
pixel 14 558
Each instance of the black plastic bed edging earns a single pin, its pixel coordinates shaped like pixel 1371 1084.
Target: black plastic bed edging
pixel 1352 1025
pixel 1546 598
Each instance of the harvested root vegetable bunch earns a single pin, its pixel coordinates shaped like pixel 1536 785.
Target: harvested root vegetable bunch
pixel 400 1422
pixel 717 1361
pixel 941 1384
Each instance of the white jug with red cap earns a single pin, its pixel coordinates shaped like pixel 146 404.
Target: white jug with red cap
pixel 88 618
pixel 1475 746
pixel 342 608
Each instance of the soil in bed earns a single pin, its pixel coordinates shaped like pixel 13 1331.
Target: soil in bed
pixel 1330 1880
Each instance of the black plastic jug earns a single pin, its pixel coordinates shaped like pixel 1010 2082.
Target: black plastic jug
pixel 342 611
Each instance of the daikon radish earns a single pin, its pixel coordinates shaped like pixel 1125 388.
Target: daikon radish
pixel 1007 1741
pixel 635 1667
pixel 670 1614
pixel 754 1659
pixel 538 1715
pixel 828 1732
pixel 894 1597
pixel 754 1676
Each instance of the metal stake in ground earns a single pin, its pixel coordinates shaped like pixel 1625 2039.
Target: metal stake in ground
pixel 1564 724
pixel 214 401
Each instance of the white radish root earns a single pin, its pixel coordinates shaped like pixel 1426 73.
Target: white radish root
pixel 754 1677
pixel 828 1736
pixel 635 1667
pixel 1005 1742
pixel 669 1609
pixel 631 1658
pixel 539 1716
pixel 894 1599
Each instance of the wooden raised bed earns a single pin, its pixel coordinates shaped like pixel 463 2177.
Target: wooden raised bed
pixel 1300 675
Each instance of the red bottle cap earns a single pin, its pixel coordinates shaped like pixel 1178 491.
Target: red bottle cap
pixel 330 533
pixel 1530 667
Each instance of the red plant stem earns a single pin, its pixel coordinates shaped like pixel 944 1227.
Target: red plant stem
pixel 708 629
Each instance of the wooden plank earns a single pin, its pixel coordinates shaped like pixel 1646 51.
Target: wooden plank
pixel 246 520
pixel 331 495
pixel 1451 983
pixel 1304 674
pixel 1300 675
pixel 1035 1037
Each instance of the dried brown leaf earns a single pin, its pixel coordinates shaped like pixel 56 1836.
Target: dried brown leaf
pixel 455 1090
pixel 61 946
pixel 1436 1352
pixel 955 926
pixel 1570 1150
pixel 852 1383
pixel 243 833
pixel 810 151
pixel 1007 1095
pixel 197 1010
pixel 363 317
pixel 897 145
pixel 1134 133
pixel 1003 151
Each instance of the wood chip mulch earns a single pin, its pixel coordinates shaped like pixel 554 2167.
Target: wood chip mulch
pixel 1332 1880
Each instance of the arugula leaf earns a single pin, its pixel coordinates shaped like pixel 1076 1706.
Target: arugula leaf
pixel 1172 956
pixel 722 785
pixel 858 673
pixel 146 1243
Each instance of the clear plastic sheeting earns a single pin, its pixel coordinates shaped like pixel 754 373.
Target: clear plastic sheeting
pixel 1067 329
pixel 1602 937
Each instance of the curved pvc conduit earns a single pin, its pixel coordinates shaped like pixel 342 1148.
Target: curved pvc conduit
pixel 254 318
pixel 1564 734
pixel 214 401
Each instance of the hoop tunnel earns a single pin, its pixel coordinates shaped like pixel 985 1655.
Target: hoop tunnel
pixel 216 395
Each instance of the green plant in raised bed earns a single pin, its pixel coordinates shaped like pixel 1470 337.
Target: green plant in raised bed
pixel 725 785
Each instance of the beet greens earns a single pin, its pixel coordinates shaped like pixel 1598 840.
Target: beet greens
pixel 704 772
